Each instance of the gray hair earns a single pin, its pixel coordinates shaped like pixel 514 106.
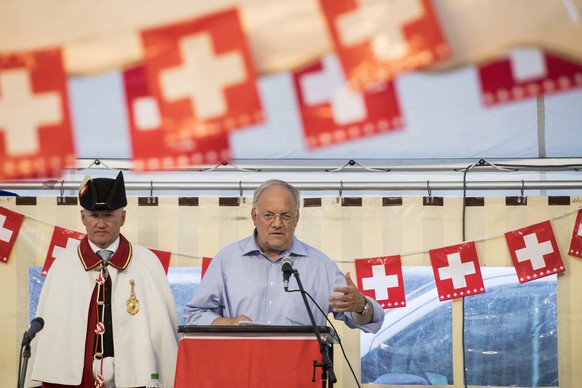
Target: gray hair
pixel 276 182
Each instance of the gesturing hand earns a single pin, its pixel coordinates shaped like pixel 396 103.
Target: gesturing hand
pixel 351 300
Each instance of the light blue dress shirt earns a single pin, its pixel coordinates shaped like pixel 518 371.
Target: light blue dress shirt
pixel 242 280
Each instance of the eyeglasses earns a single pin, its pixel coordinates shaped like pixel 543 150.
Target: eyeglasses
pixel 285 217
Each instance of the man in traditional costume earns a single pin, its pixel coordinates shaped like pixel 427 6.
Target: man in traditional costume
pixel 110 317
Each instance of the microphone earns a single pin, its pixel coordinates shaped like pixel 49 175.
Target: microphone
pixel 287 268
pixel 36 325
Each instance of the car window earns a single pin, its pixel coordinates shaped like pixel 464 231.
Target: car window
pixel 510 334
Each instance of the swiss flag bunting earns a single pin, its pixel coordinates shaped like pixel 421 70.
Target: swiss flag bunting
pixel 33 88
pixel 10 223
pixel 205 263
pixel 381 279
pixel 152 149
pixel 375 42
pixel 534 251
pixel 61 239
pixel 333 113
pixel 527 73
pixel 201 73
pixel 164 257
pixel 576 243
pixel 456 271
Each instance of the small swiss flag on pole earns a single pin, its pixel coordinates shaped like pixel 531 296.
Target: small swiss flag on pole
pixel 576 243
pixel 534 252
pixel 381 279
pixel 456 271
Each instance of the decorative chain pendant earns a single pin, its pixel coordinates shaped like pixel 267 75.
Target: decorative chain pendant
pixel 132 302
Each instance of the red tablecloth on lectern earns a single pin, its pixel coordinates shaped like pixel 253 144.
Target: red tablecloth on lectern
pixel 226 361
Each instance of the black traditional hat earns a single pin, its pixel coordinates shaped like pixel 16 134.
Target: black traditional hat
pixel 103 193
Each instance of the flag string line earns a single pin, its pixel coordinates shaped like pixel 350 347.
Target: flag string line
pixel 340 261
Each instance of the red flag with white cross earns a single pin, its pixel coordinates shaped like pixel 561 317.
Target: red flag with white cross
pixel 378 40
pixel 10 223
pixel 205 263
pixel 534 252
pixel 164 257
pixel 61 239
pixel 36 137
pixel 576 242
pixel 456 271
pixel 527 73
pixel 333 113
pixel 151 150
pixel 381 279
pixel 201 73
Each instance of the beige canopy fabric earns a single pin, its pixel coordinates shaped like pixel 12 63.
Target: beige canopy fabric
pixel 98 36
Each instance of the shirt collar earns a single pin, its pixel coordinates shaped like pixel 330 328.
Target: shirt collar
pixel 250 247
pixel 120 258
pixel 112 247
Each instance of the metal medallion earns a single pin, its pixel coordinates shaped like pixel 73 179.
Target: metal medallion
pixel 132 302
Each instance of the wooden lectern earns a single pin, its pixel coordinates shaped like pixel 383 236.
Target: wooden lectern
pixel 251 356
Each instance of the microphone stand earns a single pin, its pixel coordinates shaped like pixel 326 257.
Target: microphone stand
pixel 326 365
pixel 22 366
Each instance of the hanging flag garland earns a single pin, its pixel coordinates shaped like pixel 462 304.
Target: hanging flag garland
pixel 381 279
pixel 36 136
pixel 10 223
pixel 61 239
pixel 457 272
pixel 534 252
pixel 576 242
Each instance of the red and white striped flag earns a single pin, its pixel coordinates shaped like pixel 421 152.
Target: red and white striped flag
pixel 381 279
pixel 61 239
pixel 10 223
pixel 456 271
pixel 534 252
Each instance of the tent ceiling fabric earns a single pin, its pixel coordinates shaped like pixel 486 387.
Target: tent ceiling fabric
pixel 283 34
pixel 446 125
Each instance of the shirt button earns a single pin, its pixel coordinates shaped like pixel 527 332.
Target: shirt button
pixel 270 302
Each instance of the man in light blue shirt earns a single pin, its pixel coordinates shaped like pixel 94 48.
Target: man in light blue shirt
pixel 244 281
